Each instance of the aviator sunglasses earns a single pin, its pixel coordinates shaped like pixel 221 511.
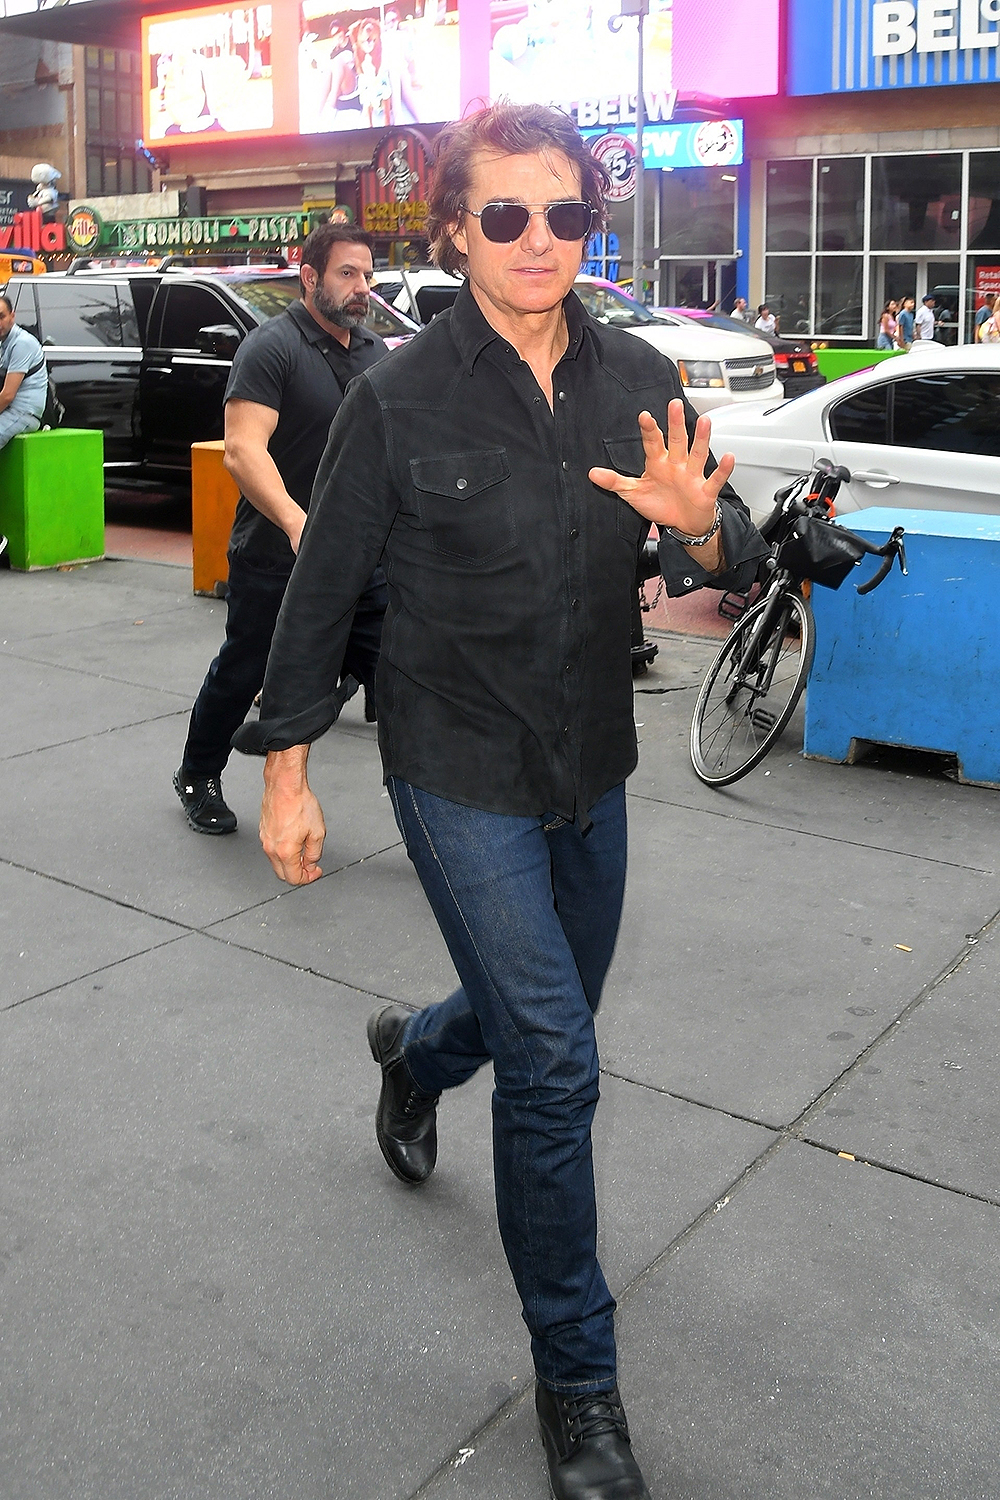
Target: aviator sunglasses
pixel 505 222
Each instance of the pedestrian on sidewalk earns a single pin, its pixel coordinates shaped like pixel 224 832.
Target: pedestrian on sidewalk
pixel 925 318
pixel 766 321
pixel 887 326
pixel 989 329
pixel 287 382
pixel 906 323
pixel 510 496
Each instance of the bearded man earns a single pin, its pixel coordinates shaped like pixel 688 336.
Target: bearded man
pixel 288 381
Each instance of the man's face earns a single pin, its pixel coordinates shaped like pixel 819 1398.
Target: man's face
pixel 6 320
pixel 533 274
pixel 341 296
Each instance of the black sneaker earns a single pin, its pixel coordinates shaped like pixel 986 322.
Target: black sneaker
pixel 201 799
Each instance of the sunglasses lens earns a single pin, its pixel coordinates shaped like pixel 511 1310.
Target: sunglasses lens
pixel 570 221
pixel 503 222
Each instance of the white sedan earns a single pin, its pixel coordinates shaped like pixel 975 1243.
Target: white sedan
pixel 921 431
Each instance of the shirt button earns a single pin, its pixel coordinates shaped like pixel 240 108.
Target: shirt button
pixel 538 400
pixel 574 534
pixel 575 604
pixel 461 484
pixel 565 729
pixel 565 463
pixel 688 582
pixel 562 395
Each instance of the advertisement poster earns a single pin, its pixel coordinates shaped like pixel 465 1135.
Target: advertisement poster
pixel 372 66
pixel 987 285
pixel 209 73
pixel 564 51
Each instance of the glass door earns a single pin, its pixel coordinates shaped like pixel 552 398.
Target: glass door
pixel 915 278
pixel 701 283
pixel 942 279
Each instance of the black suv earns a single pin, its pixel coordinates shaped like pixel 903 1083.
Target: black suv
pixel 145 355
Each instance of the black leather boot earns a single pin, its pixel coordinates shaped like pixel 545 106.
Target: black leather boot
pixel 588 1447
pixel 406 1118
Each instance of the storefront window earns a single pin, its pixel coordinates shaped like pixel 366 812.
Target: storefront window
pixel 839 295
pixel 916 202
pixel 982 290
pixel 789 293
pixel 840 208
pixel 789 205
pixel 697 212
pixel 984 200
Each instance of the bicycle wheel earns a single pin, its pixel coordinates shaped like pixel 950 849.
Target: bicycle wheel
pixel 751 691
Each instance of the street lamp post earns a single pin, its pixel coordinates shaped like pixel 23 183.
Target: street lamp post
pixel 639 9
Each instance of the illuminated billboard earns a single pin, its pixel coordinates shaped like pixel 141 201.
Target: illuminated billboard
pixel 208 74
pixel 371 66
pixel 582 57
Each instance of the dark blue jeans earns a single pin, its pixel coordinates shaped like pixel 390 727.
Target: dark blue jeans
pixel 237 673
pixel 529 909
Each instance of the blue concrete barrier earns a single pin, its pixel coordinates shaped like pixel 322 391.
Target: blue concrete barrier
pixel 916 663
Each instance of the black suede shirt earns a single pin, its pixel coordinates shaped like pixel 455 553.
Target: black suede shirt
pixel 505 681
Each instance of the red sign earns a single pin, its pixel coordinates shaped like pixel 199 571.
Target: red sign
pixel 29 233
pixel 394 188
pixel 987 285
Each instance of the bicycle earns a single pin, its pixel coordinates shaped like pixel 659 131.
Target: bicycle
pixel 757 678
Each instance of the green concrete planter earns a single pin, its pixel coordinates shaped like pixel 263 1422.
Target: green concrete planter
pixel 836 362
pixel 52 497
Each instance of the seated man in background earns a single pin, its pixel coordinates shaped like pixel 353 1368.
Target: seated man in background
pixel 24 381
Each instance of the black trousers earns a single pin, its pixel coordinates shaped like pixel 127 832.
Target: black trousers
pixel 237 673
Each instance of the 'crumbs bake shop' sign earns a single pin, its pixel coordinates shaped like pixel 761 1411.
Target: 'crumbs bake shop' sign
pixel 394 189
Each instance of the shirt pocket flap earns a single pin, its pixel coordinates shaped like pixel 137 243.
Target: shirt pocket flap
pixel 460 475
pixel 626 455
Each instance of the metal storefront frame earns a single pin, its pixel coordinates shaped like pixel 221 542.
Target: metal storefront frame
pixel 871 254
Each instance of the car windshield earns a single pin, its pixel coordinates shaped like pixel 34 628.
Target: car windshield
pixel 730 325
pixel 268 296
pixel 387 322
pixel 606 304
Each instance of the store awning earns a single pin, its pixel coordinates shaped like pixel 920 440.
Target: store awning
pixel 89 23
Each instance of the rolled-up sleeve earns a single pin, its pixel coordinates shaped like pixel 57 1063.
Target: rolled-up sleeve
pixel 742 545
pixel 354 503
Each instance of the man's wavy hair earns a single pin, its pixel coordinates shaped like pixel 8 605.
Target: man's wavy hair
pixel 504 129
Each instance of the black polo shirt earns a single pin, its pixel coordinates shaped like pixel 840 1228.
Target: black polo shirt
pixel 295 367
pixel 505 680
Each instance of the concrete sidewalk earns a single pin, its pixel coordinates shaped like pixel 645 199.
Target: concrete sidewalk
pixel 212 1287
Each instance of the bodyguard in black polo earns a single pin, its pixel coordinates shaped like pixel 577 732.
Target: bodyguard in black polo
pixel 506 464
pixel 287 382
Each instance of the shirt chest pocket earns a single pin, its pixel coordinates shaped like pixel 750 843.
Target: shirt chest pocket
pixel 464 502
pixel 627 456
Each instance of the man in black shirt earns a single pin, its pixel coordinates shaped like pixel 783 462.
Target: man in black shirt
pixel 506 466
pixel 288 380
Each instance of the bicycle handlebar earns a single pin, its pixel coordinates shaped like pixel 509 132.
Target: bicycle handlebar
pixel 822 484
pixel 889 551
